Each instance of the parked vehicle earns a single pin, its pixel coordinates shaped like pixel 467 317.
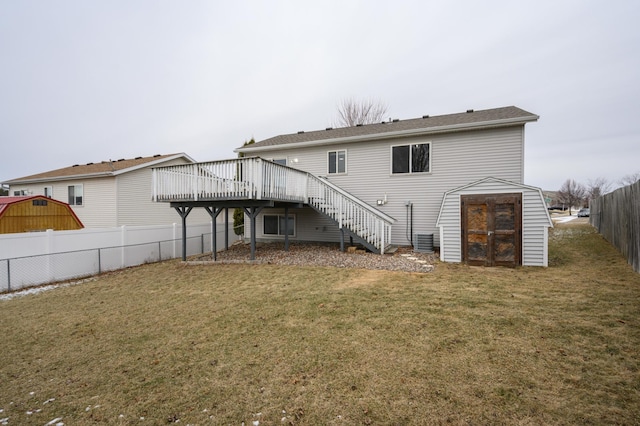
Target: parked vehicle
pixel 583 212
pixel 557 208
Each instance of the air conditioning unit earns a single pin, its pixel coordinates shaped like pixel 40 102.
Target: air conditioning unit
pixel 423 243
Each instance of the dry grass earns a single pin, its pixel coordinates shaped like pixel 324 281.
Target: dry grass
pixel 225 344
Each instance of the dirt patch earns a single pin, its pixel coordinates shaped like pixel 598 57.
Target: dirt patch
pixel 364 278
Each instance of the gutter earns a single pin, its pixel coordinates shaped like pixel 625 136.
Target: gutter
pixel 396 134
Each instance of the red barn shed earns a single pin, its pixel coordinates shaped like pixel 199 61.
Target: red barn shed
pixel 35 213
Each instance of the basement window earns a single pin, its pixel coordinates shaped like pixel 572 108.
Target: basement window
pixel 75 195
pixel 274 224
pixel 414 158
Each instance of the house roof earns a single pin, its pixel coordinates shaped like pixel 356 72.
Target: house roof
pixel 497 117
pixel 6 202
pixel 103 168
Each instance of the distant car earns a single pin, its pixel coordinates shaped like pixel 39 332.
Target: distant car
pixel 583 212
pixel 556 208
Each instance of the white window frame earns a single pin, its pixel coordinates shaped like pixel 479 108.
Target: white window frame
pixel 282 161
pixel 280 233
pixel 75 197
pixel 337 152
pixel 48 191
pixel 410 172
pixel 20 192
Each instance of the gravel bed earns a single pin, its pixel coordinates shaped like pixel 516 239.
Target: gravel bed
pixel 301 254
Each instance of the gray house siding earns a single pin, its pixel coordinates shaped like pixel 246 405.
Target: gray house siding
pixel 535 220
pixel 309 226
pixel 456 159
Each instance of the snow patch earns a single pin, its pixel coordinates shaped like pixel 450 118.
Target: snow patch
pixel 41 289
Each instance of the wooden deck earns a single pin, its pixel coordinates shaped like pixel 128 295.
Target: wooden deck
pixel 254 183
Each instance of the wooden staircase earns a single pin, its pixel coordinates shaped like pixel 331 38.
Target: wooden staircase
pixel 360 221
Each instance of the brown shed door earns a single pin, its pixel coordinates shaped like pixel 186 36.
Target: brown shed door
pixel 492 229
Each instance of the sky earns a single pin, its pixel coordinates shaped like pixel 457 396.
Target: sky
pixel 87 81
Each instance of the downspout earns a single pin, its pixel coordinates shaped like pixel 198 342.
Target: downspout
pixel 409 222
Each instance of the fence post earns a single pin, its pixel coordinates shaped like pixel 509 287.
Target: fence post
pixel 50 250
pixel 8 274
pixel 123 243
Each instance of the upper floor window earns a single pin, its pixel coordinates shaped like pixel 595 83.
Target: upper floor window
pixel 20 192
pixel 414 158
pixel 337 162
pixel 48 191
pixel 75 195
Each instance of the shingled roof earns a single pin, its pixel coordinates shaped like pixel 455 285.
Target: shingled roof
pixel 103 168
pixel 470 119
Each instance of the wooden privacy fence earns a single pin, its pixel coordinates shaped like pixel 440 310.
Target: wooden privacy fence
pixel 617 217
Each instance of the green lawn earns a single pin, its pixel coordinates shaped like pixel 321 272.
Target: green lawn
pixel 226 344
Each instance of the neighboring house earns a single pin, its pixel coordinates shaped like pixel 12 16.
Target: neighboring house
pixel 35 213
pixel 378 184
pixel 108 193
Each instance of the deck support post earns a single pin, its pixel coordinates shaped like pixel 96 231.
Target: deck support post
pixel 214 212
pixel 342 240
pixel 286 229
pixel 226 228
pixel 253 212
pixel 184 212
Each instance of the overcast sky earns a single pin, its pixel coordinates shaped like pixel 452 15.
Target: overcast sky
pixel 86 81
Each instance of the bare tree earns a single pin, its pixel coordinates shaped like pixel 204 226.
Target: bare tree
pixel 597 188
pixel 571 193
pixel 629 179
pixel 352 112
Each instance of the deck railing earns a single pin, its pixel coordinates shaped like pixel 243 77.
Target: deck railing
pixel 257 179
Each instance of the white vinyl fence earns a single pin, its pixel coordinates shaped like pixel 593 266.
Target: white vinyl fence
pixel 35 258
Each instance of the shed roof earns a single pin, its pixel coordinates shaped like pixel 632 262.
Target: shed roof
pixel 504 182
pixel 471 119
pixel 103 168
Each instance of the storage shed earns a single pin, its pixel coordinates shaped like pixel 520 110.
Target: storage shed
pixel 494 222
pixel 35 213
